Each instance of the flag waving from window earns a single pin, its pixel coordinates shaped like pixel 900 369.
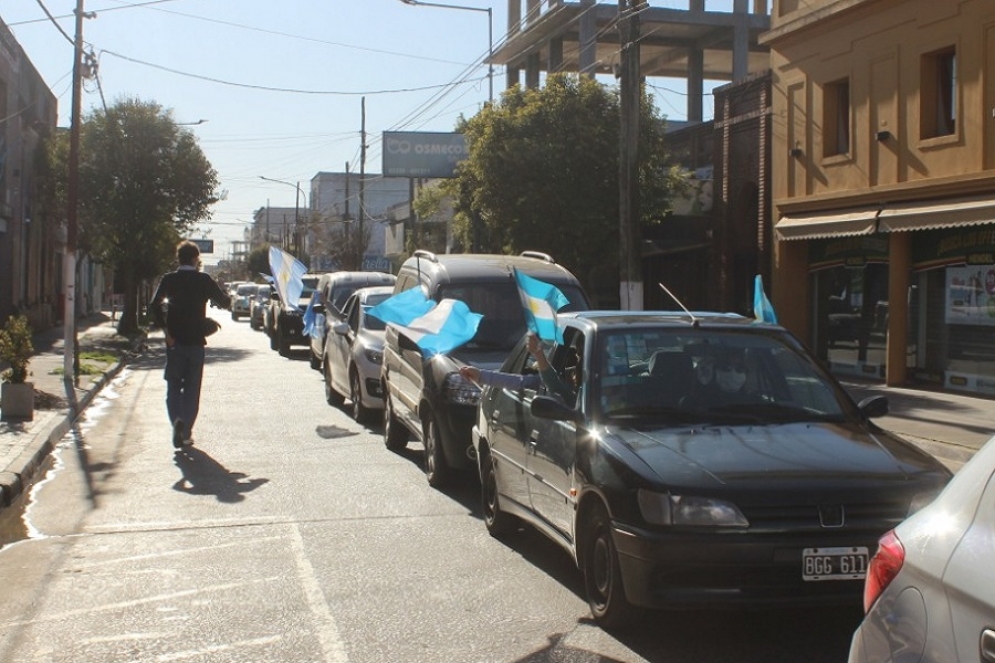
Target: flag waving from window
pixel 288 275
pixel 435 329
pixel 310 315
pixel 541 301
pixel 763 310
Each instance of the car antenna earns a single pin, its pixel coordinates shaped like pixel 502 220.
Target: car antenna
pixel 694 321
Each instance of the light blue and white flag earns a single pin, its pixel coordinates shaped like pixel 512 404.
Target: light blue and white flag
pixel 288 276
pixel 541 301
pixel 443 329
pixel 763 310
pixel 403 307
pixel 310 315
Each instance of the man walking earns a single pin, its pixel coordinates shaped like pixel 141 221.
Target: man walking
pixel 178 307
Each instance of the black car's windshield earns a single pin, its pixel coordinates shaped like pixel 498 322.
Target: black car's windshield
pixel 713 376
pixel 503 323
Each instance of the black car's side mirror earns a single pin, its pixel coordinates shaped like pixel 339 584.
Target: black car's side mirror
pixel 547 407
pixel 873 406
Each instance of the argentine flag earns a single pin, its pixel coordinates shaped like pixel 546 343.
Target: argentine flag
pixel 763 310
pixel 541 301
pixel 288 275
pixel 310 316
pixel 435 329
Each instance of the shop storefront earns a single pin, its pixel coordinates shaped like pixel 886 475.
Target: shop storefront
pixel 952 309
pixel 849 285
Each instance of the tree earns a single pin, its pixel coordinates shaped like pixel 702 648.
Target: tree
pixel 144 183
pixel 542 174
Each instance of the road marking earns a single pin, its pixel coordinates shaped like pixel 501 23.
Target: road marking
pixel 328 630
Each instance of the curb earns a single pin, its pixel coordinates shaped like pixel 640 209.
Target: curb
pixel 56 426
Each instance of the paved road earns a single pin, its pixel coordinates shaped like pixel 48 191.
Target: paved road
pixel 289 533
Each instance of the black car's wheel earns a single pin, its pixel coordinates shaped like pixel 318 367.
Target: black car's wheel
pixel 437 471
pixel 315 360
pixel 333 397
pixel 602 573
pixel 274 343
pixel 395 435
pixel 497 521
pixel 284 345
pixel 360 412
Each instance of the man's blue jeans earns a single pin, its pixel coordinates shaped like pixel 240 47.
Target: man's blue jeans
pixel 184 371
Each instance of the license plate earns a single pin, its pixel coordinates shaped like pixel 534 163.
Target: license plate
pixel 834 563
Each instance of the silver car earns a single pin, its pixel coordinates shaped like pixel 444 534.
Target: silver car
pixel 354 354
pixel 930 588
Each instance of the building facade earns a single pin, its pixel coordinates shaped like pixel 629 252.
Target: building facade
pixel 31 242
pixel 884 186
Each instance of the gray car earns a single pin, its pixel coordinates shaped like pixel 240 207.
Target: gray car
pixel 930 587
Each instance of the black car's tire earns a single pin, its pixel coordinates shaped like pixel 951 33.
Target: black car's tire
pixel 274 343
pixel 395 435
pixel 333 397
pixel 284 346
pixel 603 575
pixel 437 471
pixel 315 361
pixel 498 522
pixel 360 412
pixel 234 316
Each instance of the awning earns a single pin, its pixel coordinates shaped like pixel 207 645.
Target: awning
pixel 948 213
pixel 835 224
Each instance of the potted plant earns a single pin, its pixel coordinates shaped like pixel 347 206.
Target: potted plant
pixel 17 395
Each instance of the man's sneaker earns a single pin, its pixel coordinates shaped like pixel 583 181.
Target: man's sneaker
pixel 188 440
pixel 179 433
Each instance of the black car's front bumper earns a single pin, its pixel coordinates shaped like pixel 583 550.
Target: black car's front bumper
pixel 713 569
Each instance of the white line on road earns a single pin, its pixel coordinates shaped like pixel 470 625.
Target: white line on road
pixel 328 630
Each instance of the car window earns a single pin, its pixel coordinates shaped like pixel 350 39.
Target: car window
pixel 339 295
pixel 369 322
pixel 710 375
pixel 503 323
pixel 247 289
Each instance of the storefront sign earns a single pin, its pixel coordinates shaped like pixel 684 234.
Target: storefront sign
pixel 971 295
pixel 853 252
pixel 973 246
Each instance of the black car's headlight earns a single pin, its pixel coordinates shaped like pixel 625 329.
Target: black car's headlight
pixel 456 389
pixel 692 511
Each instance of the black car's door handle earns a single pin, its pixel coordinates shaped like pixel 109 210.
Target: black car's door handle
pixel 988 645
pixel 533 441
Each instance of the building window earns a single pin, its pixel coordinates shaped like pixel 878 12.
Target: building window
pixel 836 118
pixel 938 96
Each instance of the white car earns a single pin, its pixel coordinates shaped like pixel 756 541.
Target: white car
pixel 930 588
pixel 354 354
pixel 334 289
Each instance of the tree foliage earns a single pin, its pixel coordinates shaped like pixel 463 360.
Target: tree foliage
pixel 542 174
pixel 144 183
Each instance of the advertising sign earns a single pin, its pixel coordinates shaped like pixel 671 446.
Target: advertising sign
pixel 205 245
pixel 971 295
pixel 422 153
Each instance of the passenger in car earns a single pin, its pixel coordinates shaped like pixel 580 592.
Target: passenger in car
pixel 566 387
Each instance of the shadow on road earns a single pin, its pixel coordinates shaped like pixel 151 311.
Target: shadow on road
pixel 202 475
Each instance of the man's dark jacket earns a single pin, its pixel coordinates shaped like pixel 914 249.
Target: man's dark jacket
pixel 179 304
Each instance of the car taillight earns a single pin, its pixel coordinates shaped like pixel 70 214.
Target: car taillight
pixel 883 568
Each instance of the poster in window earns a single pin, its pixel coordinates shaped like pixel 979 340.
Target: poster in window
pixel 971 295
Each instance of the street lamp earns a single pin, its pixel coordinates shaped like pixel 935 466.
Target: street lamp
pixel 490 35
pixel 297 208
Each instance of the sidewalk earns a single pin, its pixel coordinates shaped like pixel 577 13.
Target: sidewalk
pixel 949 426
pixel 24 445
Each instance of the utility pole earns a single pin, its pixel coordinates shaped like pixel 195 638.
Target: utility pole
pixel 360 248
pixel 70 366
pixel 630 92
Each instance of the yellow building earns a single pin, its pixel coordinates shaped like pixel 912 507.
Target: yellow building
pixel 884 186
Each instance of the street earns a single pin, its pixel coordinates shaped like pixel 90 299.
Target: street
pixel 289 533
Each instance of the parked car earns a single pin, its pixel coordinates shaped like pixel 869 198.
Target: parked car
pixel 706 460
pixel 930 588
pixel 287 319
pixel 258 304
pixel 334 289
pixel 353 354
pixel 430 400
pixel 241 299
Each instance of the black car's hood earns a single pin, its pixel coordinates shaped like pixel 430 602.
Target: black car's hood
pixel 733 456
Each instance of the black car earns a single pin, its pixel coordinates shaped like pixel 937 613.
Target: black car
pixel 285 322
pixel 707 460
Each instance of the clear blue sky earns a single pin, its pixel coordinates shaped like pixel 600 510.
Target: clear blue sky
pixel 279 83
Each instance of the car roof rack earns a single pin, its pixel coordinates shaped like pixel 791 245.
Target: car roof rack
pixel 539 255
pixel 428 255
